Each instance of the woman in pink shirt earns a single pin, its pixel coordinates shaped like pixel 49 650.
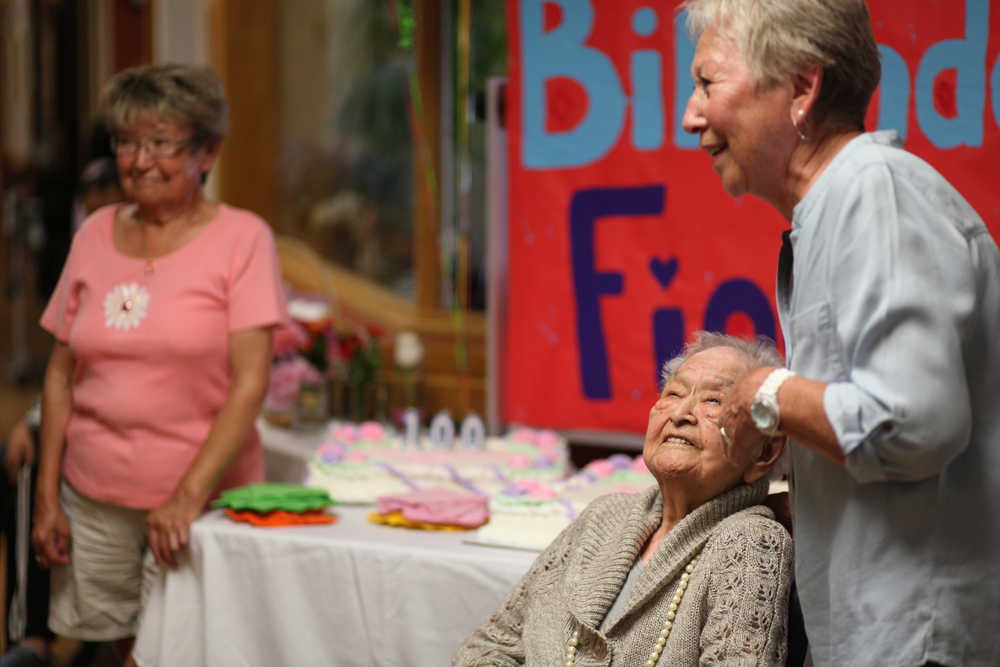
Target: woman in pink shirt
pixel 162 322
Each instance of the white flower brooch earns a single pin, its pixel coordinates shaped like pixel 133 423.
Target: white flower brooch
pixel 125 306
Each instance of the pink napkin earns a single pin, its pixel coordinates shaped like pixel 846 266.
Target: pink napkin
pixel 437 505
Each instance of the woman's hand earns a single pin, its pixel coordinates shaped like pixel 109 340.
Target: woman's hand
pixel 738 430
pixel 803 416
pixel 20 450
pixel 168 527
pixel 50 536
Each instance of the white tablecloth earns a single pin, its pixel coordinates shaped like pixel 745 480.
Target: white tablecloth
pixel 351 593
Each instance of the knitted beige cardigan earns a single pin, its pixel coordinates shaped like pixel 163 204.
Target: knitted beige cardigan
pixel 734 612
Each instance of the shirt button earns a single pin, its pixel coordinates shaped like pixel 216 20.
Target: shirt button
pixel 600 650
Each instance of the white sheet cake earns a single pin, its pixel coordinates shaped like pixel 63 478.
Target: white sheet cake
pixel 359 463
pixel 529 515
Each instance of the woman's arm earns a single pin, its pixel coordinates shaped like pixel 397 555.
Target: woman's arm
pixel 499 641
pixel 51 530
pixel 747 602
pixel 250 359
pixel 803 417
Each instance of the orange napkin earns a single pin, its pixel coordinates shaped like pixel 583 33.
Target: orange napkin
pixel 397 519
pixel 280 517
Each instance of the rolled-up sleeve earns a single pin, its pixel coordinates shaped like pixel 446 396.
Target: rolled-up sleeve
pixel 901 290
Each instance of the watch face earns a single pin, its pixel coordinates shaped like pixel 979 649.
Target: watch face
pixel 764 418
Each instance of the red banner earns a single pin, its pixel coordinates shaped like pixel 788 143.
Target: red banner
pixel 621 239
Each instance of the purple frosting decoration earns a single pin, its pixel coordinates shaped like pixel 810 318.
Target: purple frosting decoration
pixel 542 461
pixel 586 474
pixel 513 490
pixel 620 461
pixel 331 452
pixel 569 508
pixel 464 483
pixel 398 473
pixel 498 472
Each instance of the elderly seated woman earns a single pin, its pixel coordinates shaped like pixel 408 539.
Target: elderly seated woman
pixel 695 570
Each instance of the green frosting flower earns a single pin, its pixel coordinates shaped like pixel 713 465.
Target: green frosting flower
pixel 270 496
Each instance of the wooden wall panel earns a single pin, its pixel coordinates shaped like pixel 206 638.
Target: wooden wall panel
pixel 244 48
pixel 132 28
pixel 427 156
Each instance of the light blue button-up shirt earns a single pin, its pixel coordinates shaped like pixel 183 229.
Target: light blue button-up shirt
pixel 889 290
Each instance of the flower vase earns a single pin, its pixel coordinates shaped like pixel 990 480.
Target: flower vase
pixel 283 416
pixel 313 403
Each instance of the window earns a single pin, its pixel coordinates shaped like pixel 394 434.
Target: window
pixel 350 147
pixel 345 128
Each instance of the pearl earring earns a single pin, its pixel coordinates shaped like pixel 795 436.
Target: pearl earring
pixel 795 124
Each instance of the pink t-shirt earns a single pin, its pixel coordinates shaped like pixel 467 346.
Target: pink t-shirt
pixel 151 349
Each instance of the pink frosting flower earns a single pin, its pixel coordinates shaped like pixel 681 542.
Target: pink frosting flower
pixel 639 465
pixel 345 432
pixel 357 457
pixel 371 431
pixel 601 468
pixel 546 439
pixel 523 435
pixel 520 461
pixel 537 489
pixel 331 452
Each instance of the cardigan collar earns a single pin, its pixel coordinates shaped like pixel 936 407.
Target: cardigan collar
pixel 608 549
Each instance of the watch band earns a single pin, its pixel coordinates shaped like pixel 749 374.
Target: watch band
pixel 773 382
pixel 764 408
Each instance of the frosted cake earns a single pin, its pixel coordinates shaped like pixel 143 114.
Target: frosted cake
pixel 359 463
pixel 530 514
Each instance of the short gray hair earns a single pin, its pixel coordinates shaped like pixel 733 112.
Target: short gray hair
pixel 781 37
pixel 759 351
pixel 188 95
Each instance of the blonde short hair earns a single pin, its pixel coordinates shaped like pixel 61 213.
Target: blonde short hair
pixel 781 37
pixel 187 95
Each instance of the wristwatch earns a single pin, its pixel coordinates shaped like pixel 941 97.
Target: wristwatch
pixel 764 407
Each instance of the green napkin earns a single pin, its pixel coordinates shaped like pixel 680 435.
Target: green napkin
pixel 270 496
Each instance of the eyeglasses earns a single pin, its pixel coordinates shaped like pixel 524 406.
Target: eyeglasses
pixel 156 147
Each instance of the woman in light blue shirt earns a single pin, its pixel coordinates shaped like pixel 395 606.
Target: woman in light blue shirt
pixel 889 298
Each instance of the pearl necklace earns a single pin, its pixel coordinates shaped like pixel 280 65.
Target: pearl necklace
pixel 668 623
